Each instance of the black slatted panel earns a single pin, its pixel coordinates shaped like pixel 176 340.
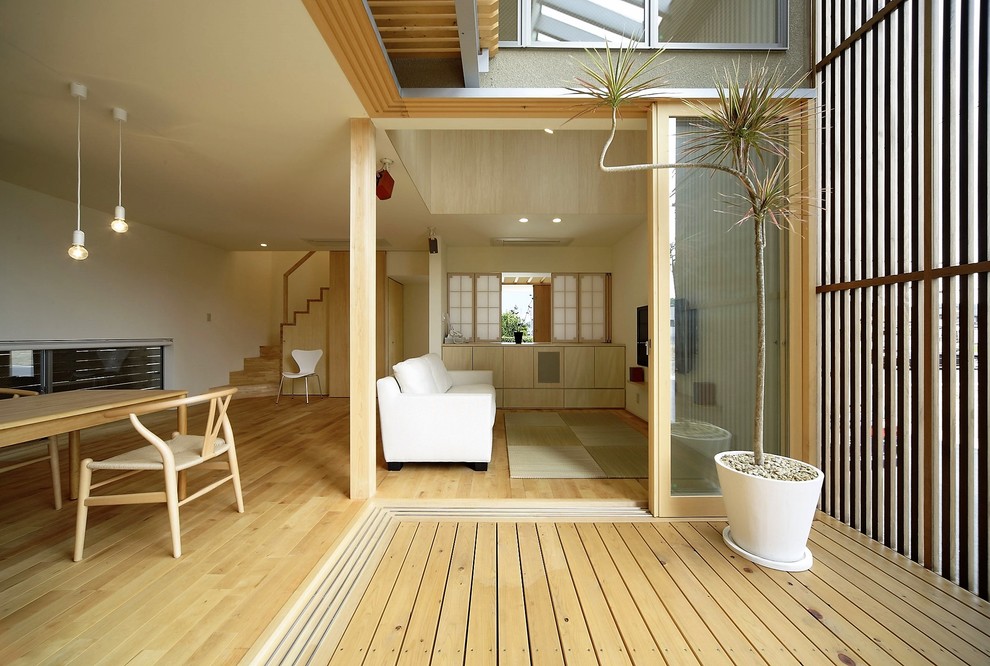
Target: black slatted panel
pixel 116 368
pixel 22 370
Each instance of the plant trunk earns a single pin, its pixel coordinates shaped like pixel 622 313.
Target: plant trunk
pixel 760 240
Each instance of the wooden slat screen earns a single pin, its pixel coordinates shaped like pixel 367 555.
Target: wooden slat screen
pixel 904 260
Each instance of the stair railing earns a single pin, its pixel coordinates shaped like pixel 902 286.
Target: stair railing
pixel 285 285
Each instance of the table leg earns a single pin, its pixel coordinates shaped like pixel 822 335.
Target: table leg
pixel 181 415
pixel 74 440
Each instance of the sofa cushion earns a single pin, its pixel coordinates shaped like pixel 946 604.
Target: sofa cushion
pixel 477 388
pixel 414 376
pixel 439 372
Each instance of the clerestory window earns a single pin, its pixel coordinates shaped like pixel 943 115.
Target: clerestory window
pixel 672 24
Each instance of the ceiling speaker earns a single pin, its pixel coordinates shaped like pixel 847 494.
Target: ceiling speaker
pixel 434 246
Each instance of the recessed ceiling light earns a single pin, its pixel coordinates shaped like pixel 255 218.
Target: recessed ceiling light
pixel 548 130
pixel 556 220
pixel 264 245
pixel 524 220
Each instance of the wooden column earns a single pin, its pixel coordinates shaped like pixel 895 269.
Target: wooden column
pixel 362 308
pixel 658 206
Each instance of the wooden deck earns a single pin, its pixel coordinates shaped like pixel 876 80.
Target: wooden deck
pixel 637 592
pixel 498 588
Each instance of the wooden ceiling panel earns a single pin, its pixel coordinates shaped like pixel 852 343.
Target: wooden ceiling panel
pixel 428 28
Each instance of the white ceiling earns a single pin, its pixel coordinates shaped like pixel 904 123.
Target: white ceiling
pixel 238 127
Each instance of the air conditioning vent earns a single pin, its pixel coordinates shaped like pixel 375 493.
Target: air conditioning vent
pixel 531 242
pixel 339 243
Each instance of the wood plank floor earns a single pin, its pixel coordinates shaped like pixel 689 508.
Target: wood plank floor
pixel 493 586
pixel 646 593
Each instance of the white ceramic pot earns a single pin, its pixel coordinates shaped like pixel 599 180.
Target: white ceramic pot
pixel 769 520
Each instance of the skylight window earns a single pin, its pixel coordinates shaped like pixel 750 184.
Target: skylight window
pixel 673 24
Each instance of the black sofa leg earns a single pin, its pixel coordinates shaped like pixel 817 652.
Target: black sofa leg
pixel 394 466
pixel 479 466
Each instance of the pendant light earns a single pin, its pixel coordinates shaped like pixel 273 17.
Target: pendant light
pixel 78 249
pixel 119 223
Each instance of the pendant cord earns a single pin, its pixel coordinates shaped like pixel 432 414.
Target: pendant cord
pixel 120 158
pixel 78 163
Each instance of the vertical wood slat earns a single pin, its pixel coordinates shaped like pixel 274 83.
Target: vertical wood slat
pixel 982 464
pixel 904 400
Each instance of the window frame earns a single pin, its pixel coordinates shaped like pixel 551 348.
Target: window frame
pixel 524 30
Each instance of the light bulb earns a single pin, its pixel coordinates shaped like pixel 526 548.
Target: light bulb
pixel 78 249
pixel 119 224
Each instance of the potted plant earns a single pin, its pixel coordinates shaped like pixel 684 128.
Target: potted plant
pixel 770 500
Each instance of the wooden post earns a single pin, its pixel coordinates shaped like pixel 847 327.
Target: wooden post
pixel 362 321
pixel 659 397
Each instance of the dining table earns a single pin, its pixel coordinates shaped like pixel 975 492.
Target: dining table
pixel 38 416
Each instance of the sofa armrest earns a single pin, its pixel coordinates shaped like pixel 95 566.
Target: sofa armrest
pixel 462 377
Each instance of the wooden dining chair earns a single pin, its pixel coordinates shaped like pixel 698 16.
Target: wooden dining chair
pixel 172 457
pixel 22 455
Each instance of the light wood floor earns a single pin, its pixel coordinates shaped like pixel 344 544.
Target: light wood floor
pixel 129 601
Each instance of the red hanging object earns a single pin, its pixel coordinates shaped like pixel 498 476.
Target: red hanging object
pixel 384 184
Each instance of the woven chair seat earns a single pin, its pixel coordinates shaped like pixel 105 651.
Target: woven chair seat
pixel 185 448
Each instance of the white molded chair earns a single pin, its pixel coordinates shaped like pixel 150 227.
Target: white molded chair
pixel 306 359
pixel 173 457
pixel 13 457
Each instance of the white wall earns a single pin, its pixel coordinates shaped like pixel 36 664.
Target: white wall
pixel 528 259
pixel 631 289
pixel 415 311
pixel 143 284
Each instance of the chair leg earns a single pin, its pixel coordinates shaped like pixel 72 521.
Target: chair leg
pixel 85 478
pixel 279 395
pixel 56 470
pixel 306 381
pixel 319 384
pixel 172 502
pixel 235 477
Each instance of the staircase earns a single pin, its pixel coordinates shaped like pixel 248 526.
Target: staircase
pixel 260 374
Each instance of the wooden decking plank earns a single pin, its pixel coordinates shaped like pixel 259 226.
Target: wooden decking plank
pixel 655 609
pixel 421 634
pixel 483 617
pixel 609 646
pixel 935 641
pixel 387 639
pixel 950 598
pixel 838 593
pixel 640 644
pixel 453 622
pixel 859 543
pixel 696 633
pixel 513 640
pixel 790 623
pixel 718 622
pixel 759 634
pixel 848 642
pixel 544 641
pixel 575 639
pixel 361 627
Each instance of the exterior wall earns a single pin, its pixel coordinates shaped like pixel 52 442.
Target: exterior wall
pixel 145 284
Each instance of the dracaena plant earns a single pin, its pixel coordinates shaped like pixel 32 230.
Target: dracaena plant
pixel 745 133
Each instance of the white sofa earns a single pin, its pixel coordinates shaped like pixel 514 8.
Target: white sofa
pixel 431 414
